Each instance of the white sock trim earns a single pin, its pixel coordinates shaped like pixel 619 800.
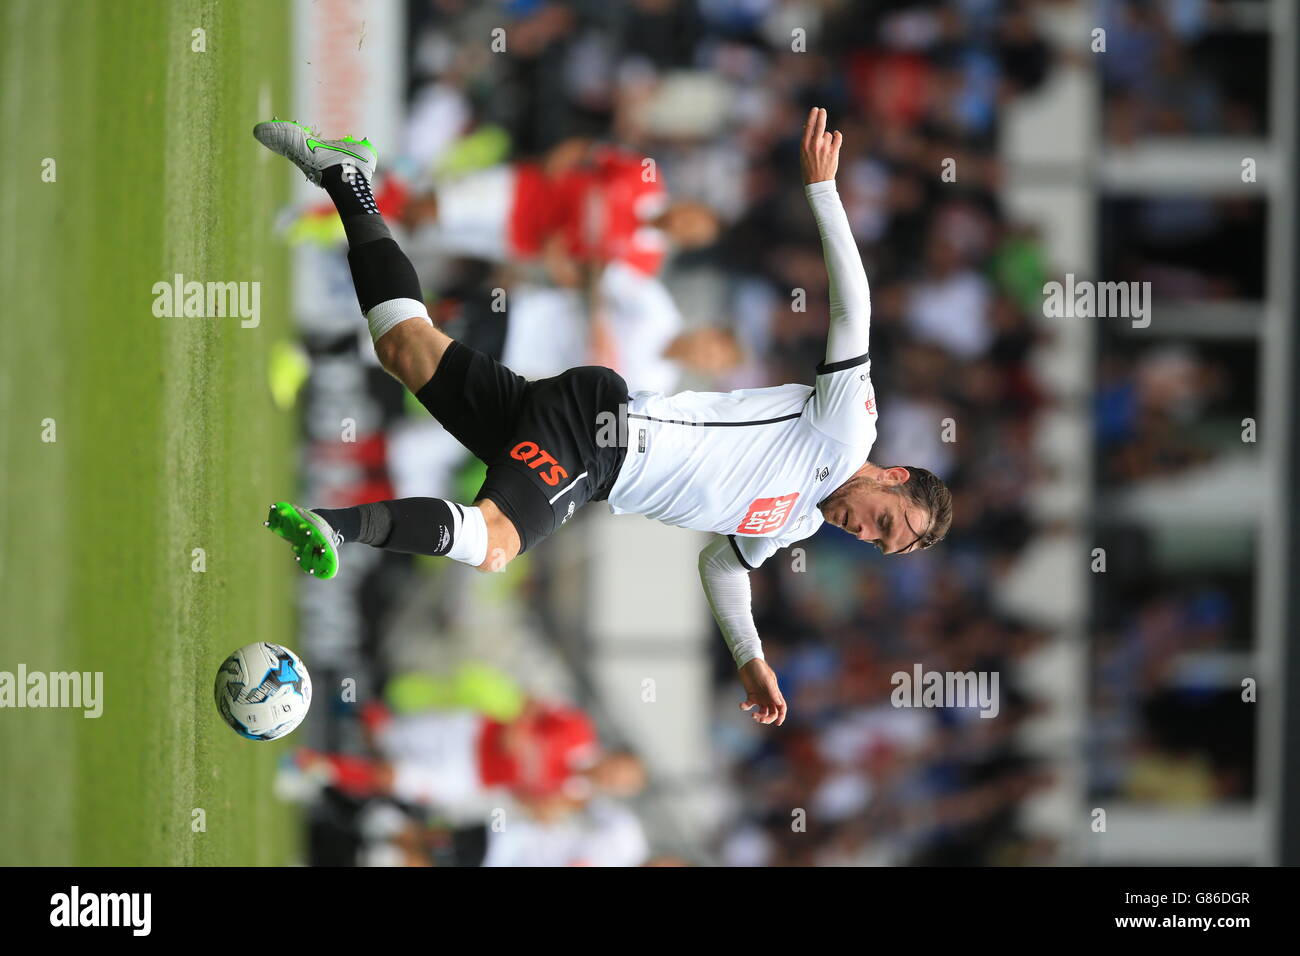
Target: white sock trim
pixel 469 542
pixel 394 312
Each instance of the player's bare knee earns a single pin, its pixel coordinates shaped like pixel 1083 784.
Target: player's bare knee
pixel 501 551
pixel 410 351
pixel 503 538
pixel 497 560
pixel 393 348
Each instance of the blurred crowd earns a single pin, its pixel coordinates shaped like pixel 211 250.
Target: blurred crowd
pixel 464 768
pixel 1167 723
pixel 1166 412
pixel 714 93
pixel 1184 69
pixel 883 784
pixel 1173 615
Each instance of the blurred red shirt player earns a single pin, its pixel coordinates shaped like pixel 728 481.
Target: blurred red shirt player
pixel 457 759
pixel 581 205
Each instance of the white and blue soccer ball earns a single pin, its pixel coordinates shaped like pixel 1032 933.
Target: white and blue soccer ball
pixel 263 691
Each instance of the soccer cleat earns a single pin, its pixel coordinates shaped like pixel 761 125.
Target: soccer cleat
pixel 300 145
pixel 315 544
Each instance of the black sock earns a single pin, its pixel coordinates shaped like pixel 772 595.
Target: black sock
pixel 380 270
pixel 421 525
pixel 365 524
pixel 411 525
pixel 355 203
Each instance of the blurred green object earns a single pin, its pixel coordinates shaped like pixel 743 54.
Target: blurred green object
pixel 469 479
pixel 410 404
pixel 486 146
pixel 473 686
pixel 287 371
pixel 313 227
pixel 1020 271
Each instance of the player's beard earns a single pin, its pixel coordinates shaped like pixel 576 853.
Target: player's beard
pixel 836 508
pixel 855 484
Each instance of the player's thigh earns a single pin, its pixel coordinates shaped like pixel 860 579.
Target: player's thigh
pixel 474 397
pixel 555 462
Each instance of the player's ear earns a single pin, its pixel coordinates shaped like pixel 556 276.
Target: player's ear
pixel 897 474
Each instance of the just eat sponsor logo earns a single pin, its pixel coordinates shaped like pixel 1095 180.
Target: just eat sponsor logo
pixel 767 514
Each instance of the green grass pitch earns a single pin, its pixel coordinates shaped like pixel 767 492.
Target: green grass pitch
pixel 166 436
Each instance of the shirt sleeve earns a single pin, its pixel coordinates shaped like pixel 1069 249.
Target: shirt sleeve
pixel 843 404
pixel 724 572
pixel 850 295
pixel 751 551
pixel 725 578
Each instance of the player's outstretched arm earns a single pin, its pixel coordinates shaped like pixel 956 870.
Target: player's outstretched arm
pixel 819 158
pixel 726 585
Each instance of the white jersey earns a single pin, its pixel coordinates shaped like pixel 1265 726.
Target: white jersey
pixel 752 464
pixel 548 330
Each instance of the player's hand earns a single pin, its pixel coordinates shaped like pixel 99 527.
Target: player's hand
pixel 602 347
pixel 566 156
pixel 564 270
pixel 819 153
pixel 764 698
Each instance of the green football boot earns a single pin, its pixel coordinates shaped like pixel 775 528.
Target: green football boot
pixel 315 544
pixel 299 144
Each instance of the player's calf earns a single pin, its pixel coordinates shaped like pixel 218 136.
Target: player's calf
pixel 411 352
pixel 478 535
pixel 387 287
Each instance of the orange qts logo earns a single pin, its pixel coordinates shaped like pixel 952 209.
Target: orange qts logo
pixel 528 451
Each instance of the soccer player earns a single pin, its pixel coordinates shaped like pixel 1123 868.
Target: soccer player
pixel 584 206
pixel 548 757
pixel 760 468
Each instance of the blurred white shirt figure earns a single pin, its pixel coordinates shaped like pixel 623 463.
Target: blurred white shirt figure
pixel 604 833
pixel 748 846
pixel 548 329
pixel 952 312
pixel 949 304
pixel 439 116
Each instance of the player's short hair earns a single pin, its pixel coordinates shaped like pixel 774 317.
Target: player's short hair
pixel 926 490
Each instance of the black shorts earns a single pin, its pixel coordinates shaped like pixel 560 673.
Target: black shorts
pixel 546 443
